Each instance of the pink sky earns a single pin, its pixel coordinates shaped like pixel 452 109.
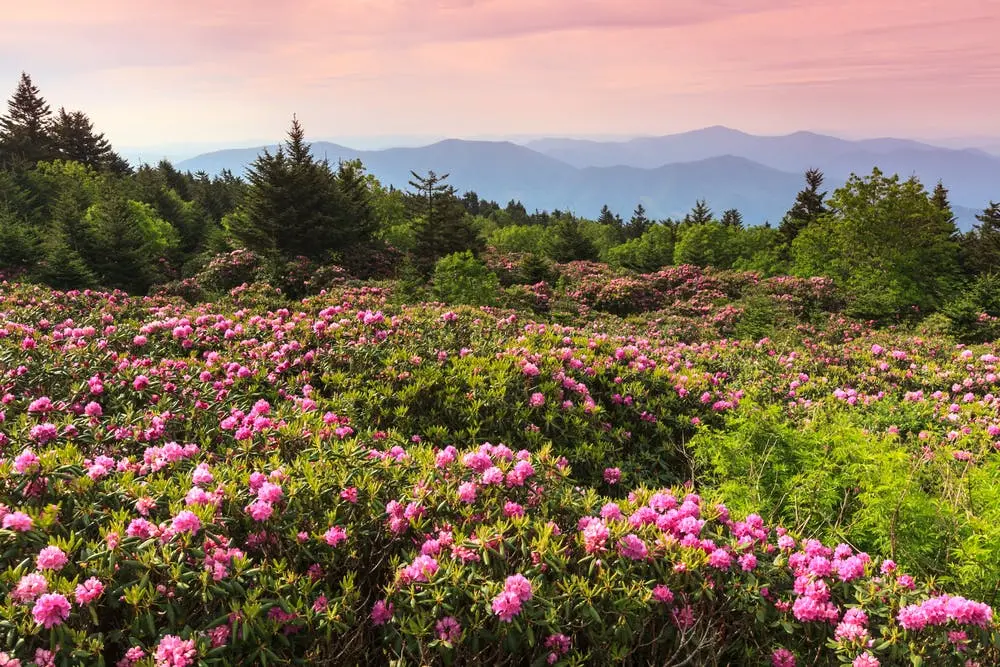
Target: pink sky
pixel 153 72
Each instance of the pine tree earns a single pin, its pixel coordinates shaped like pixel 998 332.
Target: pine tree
pixel 442 224
pixel 939 197
pixel 981 246
pixel 73 138
pixel 359 221
pixel 808 207
pixel 638 224
pixel 732 218
pixel 25 129
pixel 293 207
pixel 570 243
pixel 700 214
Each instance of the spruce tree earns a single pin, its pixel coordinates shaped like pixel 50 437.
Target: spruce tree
pixel 442 224
pixel 358 218
pixel 74 138
pixel 732 218
pixel 570 243
pixel 292 207
pixel 638 224
pixel 939 197
pixel 981 246
pixel 700 214
pixel 808 207
pixel 25 130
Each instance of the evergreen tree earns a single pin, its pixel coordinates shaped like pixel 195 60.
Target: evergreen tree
pixel 358 219
pixel 939 197
pixel 700 214
pixel 26 127
pixel 517 213
pixel 732 218
pixel 442 225
pixel 292 207
pixel 808 207
pixel 981 246
pixel 886 243
pixel 638 224
pixel 73 138
pixel 123 258
pixel 570 244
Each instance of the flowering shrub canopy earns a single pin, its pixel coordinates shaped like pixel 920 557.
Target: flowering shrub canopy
pixel 258 481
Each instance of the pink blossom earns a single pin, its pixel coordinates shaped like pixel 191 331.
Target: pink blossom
pixel 186 521
pixel 866 659
pixel 467 492
pixel 51 609
pixel 382 612
pixel 172 651
pixel 782 657
pixel 506 605
pixel 663 594
pixel 335 535
pixel 89 591
pixel 51 558
pixel 30 587
pixel 18 522
pixel 260 510
pixel 448 629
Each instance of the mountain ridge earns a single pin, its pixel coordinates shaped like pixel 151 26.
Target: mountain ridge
pixel 758 174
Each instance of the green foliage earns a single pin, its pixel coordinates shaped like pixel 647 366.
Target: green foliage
pixel 706 244
pixel 297 206
pixel 533 239
pixel 886 242
pixel 570 243
pixel 974 315
pixel 460 278
pixel 441 224
pixel 651 251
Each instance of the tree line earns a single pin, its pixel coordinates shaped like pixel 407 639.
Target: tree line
pixel 74 214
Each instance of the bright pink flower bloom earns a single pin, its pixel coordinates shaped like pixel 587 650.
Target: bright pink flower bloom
pixel 89 591
pixel 335 535
pixel 172 651
pixel 186 521
pixel 51 609
pixel 51 558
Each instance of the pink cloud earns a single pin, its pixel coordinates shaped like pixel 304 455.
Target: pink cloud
pixel 493 66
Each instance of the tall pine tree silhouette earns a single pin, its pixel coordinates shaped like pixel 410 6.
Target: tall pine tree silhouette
pixel 808 207
pixel 442 224
pixel 25 130
pixel 74 138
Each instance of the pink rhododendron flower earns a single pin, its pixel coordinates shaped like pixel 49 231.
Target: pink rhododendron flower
pixel 172 651
pixel 51 558
pixel 382 612
pixel 89 591
pixel 51 609
pixel 30 587
pixel 335 535
pixel 186 521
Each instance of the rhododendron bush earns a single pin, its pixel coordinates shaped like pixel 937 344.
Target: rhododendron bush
pixel 342 481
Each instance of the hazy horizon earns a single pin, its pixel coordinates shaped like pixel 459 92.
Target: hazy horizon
pixel 153 74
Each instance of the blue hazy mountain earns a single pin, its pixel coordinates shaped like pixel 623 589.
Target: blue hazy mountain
pixel 730 169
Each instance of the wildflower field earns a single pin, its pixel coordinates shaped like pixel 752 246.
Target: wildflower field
pixel 614 472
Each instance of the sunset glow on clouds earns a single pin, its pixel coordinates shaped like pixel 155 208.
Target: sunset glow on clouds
pixel 154 72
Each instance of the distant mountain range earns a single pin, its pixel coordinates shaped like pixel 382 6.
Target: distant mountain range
pixel 759 175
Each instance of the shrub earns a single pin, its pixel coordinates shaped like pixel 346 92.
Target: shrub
pixel 460 278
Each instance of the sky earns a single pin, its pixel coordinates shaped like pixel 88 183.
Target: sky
pixel 232 72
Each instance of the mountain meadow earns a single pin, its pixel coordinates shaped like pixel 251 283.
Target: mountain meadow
pixel 299 414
